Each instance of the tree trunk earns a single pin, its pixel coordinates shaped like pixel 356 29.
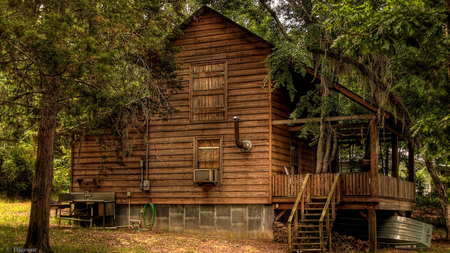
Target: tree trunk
pixel 441 193
pixel 320 152
pixel 38 229
pixel 447 31
pixel 326 159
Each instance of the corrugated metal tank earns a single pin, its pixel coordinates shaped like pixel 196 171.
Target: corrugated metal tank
pixel 393 231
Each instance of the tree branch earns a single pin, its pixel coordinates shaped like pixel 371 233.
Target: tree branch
pixel 277 20
pixel 83 82
pixel 295 6
pixel 15 103
pixel 393 97
pixel 24 53
pixel 24 94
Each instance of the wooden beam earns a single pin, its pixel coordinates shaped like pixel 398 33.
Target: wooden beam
pixel 374 157
pixel 393 130
pixel 355 97
pixel 356 125
pixel 395 205
pixel 364 215
pixel 334 118
pixel 372 230
pixel 395 162
pixel 357 206
pixel 336 126
pixel 280 214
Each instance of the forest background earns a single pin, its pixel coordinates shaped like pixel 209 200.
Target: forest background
pixel 405 45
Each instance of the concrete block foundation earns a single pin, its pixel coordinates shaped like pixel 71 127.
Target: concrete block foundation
pixel 244 221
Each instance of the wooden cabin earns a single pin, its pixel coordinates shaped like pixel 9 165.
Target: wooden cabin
pixel 200 181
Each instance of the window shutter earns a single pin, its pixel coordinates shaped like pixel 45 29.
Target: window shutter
pixel 208 88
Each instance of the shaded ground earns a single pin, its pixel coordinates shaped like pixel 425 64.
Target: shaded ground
pixel 65 238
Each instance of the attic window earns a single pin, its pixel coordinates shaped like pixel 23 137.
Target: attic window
pixel 208 91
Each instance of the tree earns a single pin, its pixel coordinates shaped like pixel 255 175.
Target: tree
pixel 393 49
pixel 387 44
pixel 67 62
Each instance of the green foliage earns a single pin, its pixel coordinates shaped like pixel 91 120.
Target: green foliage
pixel 280 67
pixel 436 131
pixel 61 171
pixel 107 54
pixel 16 167
pixel 365 27
pixel 249 14
pixel 420 182
pixel 430 201
pixel 92 61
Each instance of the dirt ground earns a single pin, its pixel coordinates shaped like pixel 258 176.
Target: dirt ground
pixel 70 238
pixel 126 240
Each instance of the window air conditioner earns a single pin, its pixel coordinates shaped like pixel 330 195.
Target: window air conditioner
pixel 206 176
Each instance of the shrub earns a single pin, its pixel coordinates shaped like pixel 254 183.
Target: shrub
pixel 16 170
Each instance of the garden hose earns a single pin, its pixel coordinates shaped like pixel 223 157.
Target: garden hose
pixel 144 215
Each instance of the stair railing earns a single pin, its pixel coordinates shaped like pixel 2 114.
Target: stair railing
pixel 325 213
pixel 294 209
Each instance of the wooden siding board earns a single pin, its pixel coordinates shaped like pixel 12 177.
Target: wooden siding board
pixel 246 176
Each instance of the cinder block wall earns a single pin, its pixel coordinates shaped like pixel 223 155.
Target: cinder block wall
pixel 248 221
pixel 245 221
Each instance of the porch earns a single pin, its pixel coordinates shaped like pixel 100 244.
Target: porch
pixel 354 191
pixel 313 200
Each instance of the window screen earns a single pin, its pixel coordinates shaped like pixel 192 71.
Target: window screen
pixel 208 154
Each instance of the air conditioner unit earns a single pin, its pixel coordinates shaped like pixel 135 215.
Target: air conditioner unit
pixel 206 176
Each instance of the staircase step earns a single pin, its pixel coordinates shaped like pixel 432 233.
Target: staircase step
pixel 309 220
pixel 313 208
pixel 317 220
pixel 306 238
pixel 307 244
pixel 322 197
pixel 308 226
pixel 308 232
pixel 305 250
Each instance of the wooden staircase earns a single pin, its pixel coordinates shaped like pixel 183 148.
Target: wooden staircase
pixel 312 232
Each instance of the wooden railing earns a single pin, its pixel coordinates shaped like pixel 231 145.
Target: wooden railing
pixel 356 184
pixel 319 185
pixel 352 184
pixel 294 209
pixel 395 188
pixel 284 185
pixel 330 199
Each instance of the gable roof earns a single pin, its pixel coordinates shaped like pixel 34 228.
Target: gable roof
pixel 336 86
pixel 397 124
pixel 205 9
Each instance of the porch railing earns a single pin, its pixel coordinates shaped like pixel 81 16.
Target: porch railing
pixel 318 185
pixel 351 184
pixel 395 188
pixel 356 184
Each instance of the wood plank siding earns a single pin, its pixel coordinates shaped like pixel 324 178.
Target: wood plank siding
pixel 223 61
pixel 286 145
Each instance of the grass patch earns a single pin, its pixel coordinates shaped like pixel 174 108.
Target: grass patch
pixel 14 218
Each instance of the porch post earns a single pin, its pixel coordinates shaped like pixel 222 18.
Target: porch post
pixel 372 230
pixel 395 162
pixel 412 174
pixel 374 157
